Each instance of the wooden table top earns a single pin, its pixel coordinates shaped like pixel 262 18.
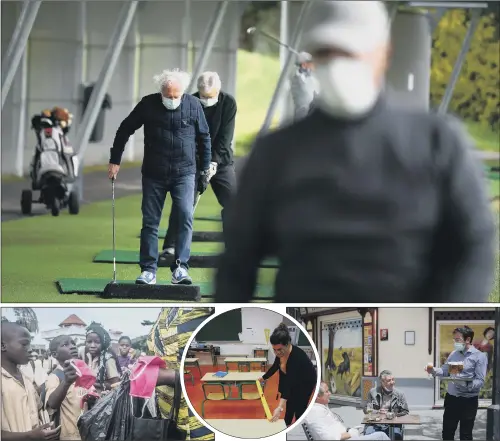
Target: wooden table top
pixel 407 419
pixel 243 428
pixel 245 360
pixel 232 377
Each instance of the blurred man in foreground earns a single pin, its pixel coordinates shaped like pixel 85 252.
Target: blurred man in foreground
pixel 303 85
pixel 360 202
pixel 220 112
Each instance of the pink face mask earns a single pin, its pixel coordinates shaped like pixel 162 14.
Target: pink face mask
pixel 86 377
pixel 144 376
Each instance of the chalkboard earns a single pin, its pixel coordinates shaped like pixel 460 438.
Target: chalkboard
pixel 303 340
pixel 224 327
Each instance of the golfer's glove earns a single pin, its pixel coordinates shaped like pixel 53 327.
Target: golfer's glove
pixel 212 171
pixel 203 181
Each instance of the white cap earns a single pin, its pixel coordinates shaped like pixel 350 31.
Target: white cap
pixel 304 57
pixel 351 26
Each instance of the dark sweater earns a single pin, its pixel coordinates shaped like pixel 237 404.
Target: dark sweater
pixel 221 120
pixel 300 379
pixel 171 137
pixel 390 208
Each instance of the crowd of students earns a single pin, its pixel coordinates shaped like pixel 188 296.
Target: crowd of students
pixel 51 402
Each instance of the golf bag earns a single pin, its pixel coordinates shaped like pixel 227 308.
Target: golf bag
pixel 54 162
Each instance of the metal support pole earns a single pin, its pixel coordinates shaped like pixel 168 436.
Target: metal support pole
pixel 295 40
pixel 186 37
pixel 436 19
pixel 135 65
pixel 393 10
pixel 17 31
pixel 21 127
pixel 448 93
pixel 117 41
pixel 209 41
pixel 16 47
pixel 284 37
pixel 80 61
pixel 493 413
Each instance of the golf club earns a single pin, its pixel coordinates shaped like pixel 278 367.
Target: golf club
pixel 254 30
pixel 198 197
pixel 114 229
pixel 133 291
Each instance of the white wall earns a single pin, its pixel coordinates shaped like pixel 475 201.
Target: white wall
pixel 253 323
pixel 57 66
pixel 404 361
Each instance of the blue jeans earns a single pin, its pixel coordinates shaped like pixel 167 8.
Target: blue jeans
pixel 154 193
pixel 398 430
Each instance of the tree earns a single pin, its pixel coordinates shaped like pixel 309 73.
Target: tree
pixel 147 323
pixel 23 316
pixel 476 95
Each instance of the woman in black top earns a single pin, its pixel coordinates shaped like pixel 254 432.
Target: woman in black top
pixel 298 377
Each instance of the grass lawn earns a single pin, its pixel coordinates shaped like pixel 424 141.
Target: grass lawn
pixel 485 138
pixel 39 250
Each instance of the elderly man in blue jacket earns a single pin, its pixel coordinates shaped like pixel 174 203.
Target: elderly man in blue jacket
pixel 175 128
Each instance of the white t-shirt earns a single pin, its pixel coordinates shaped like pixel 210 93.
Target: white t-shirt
pixel 323 424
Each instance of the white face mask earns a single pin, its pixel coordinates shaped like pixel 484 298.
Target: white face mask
pixel 170 103
pixel 459 347
pixel 209 102
pixel 347 87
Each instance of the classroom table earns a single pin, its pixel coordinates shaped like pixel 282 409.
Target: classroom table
pixel 192 362
pixel 241 428
pixel 245 361
pixel 407 420
pixel 225 356
pixel 232 377
pixel 208 350
pixel 237 379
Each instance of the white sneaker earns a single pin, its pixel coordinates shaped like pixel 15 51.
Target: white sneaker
pixel 146 278
pixel 180 276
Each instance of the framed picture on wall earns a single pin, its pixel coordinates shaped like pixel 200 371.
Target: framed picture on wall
pixel 342 346
pixel 409 338
pixel 484 334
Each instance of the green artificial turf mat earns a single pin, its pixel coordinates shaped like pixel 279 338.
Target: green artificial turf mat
pixel 208 218
pixel 198 236
pixel 131 256
pixel 96 286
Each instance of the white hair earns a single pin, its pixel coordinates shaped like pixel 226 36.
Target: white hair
pixel 173 76
pixel 208 81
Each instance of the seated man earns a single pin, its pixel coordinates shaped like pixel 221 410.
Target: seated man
pixel 325 425
pixel 386 398
pixel 220 112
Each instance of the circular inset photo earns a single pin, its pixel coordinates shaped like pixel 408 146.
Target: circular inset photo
pixel 250 372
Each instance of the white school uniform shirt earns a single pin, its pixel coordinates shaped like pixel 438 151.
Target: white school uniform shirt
pixel 323 424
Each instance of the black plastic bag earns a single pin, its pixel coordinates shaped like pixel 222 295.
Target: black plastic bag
pixel 108 418
pixel 118 417
pixel 145 427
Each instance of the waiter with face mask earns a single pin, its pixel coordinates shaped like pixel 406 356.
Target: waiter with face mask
pixel 462 398
pixel 360 200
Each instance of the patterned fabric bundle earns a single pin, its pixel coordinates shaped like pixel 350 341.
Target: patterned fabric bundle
pixel 167 340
